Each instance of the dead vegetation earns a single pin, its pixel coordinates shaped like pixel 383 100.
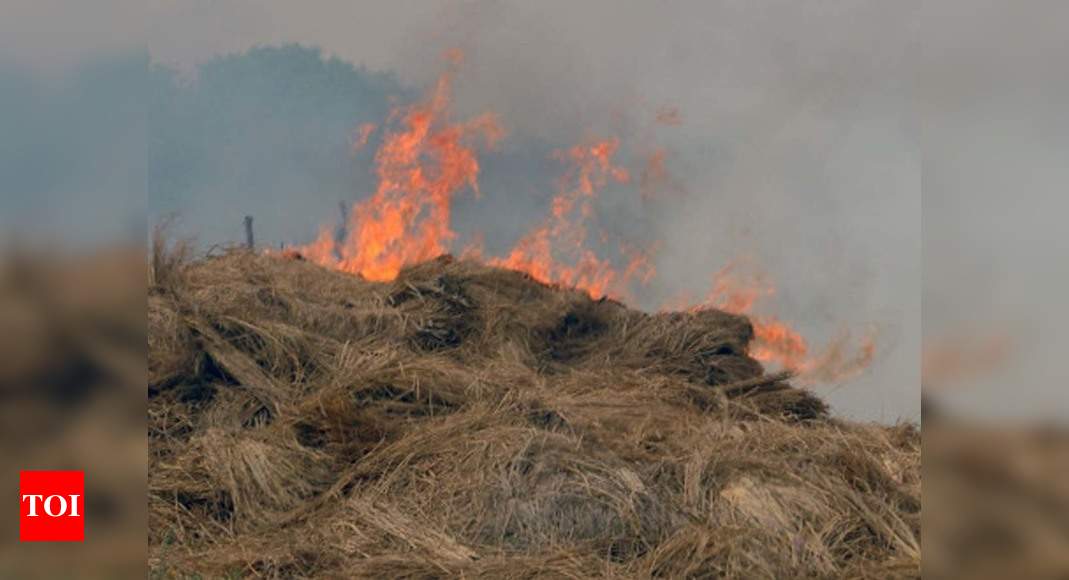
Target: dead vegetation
pixel 467 421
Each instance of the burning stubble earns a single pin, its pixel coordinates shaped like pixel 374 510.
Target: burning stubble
pixel 426 160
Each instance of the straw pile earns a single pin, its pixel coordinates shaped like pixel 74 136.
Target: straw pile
pixel 468 421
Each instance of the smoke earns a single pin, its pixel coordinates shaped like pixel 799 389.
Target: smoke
pixel 53 37
pixel 992 107
pixel 72 163
pixel 268 132
pixel 792 147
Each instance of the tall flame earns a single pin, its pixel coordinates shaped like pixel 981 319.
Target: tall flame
pixel 556 250
pixel 422 163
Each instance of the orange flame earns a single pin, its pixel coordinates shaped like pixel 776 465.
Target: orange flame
pixel 421 165
pixel 563 234
pixel 733 293
pixel 837 362
pixel 775 341
pixel 424 160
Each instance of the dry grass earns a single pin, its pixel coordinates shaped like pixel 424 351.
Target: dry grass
pixel 466 421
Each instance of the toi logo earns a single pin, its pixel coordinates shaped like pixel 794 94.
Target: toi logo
pixel 51 506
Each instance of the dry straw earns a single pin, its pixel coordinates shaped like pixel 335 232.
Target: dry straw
pixel 467 421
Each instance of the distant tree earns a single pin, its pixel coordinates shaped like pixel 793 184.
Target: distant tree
pixel 265 131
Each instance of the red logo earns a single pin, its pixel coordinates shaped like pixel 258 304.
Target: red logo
pixel 51 506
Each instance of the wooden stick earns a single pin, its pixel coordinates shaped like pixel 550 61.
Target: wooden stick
pixel 249 243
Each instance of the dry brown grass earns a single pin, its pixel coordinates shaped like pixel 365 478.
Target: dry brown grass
pixel 466 421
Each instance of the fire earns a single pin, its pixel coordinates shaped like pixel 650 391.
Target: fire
pixel 425 160
pixel 733 292
pixel 775 341
pixel 556 251
pixel 421 165
pixel 838 362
